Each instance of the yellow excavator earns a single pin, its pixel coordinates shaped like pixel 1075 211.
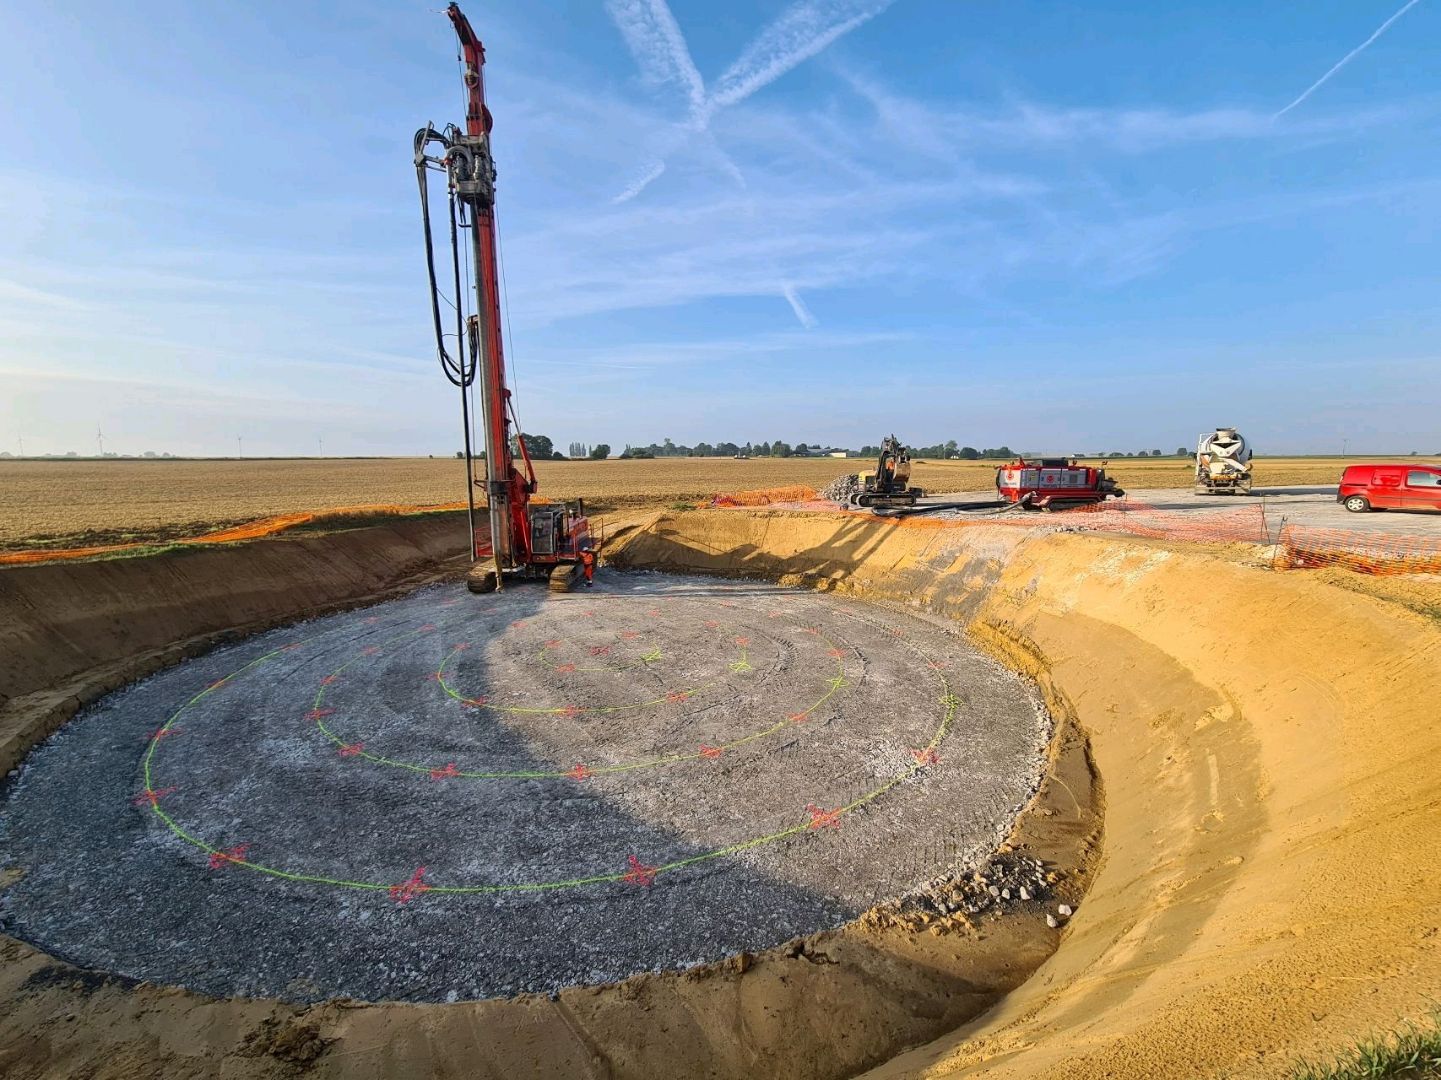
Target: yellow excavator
pixel 889 483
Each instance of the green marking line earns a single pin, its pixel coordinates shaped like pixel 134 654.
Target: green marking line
pixel 949 700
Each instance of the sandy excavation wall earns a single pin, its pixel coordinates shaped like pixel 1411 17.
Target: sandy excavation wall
pixel 68 632
pixel 1268 748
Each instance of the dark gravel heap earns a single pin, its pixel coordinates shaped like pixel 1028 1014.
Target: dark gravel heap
pixel 842 488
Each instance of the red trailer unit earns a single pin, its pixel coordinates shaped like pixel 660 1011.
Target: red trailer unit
pixel 1053 484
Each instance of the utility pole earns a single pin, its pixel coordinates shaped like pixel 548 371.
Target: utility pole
pixel 239 447
pixel 321 440
pixel 1343 446
pixel 22 444
pixel 100 440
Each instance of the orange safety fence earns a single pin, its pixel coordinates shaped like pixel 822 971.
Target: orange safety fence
pixel 251 530
pixel 767 497
pixel 1300 547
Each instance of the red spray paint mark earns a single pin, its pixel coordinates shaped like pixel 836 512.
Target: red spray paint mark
pixel 292 646
pixel 896 631
pixel 445 773
pixel 837 653
pixel 810 629
pixel 639 873
pixel 572 710
pixel 743 641
pixel 580 772
pixel 408 890
pixel 328 680
pixel 319 714
pixel 352 749
pixel 797 718
pixel 461 646
pixel 150 797
pixel 600 650
pixel 473 702
pixel 711 624
pixel 774 614
pixel 823 819
pixel 710 751
pixel 372 620
pixel 234 855
pixel 370 650
pixel 928 756
pixel 727 603
pixel 654 613
pixel 427 626
pixel 565 669
pixel 518 623
pixel 935 665
pixel 163 733
pixel 630 635
pixel 217 684
pixel 588 614
pixel 554 643
pixel 675 697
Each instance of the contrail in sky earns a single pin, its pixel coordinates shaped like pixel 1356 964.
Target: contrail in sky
pixel 798 305
pixel 804 29
pixel 1346 59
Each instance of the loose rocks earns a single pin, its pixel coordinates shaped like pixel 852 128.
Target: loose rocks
pixel 842 488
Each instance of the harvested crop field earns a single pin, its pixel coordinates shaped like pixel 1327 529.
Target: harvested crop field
pixel 83 502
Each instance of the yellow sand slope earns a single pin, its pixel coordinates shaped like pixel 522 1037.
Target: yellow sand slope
pixel 1268 746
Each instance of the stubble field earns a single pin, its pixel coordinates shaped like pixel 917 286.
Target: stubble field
pixel 73 503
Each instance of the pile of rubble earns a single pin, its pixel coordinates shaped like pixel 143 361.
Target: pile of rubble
pixel 842 488
pixel 951 902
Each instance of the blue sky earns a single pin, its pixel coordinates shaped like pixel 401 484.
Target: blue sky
pixel 1059 226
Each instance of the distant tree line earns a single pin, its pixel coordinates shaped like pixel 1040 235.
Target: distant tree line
pixel 542 448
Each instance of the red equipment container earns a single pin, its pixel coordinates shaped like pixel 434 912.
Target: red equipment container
pixel 1053 484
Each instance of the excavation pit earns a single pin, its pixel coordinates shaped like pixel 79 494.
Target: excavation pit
pixel 451 797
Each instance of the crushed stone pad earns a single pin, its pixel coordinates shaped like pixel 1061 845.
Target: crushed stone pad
pixel 451 796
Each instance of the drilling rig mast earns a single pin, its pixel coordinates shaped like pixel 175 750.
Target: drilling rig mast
pixel 526 538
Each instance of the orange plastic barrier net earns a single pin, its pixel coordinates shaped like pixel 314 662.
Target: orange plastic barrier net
pixel 1300 547
pixel 251 530
pixel 765 497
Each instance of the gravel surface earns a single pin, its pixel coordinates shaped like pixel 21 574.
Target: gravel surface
pixel 450 796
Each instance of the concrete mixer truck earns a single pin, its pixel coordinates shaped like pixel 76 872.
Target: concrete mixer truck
pixel 1223 463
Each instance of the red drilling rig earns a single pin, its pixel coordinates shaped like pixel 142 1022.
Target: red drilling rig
pixel 528 537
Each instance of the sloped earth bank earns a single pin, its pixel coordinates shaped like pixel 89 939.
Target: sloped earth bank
pixel 1268 745
pixel 1265 888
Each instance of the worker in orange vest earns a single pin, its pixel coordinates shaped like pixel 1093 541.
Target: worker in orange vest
pixel 587 563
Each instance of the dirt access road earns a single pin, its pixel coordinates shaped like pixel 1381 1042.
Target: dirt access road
pixel 1313 507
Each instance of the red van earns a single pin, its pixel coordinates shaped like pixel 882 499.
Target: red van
pixel 1390 487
